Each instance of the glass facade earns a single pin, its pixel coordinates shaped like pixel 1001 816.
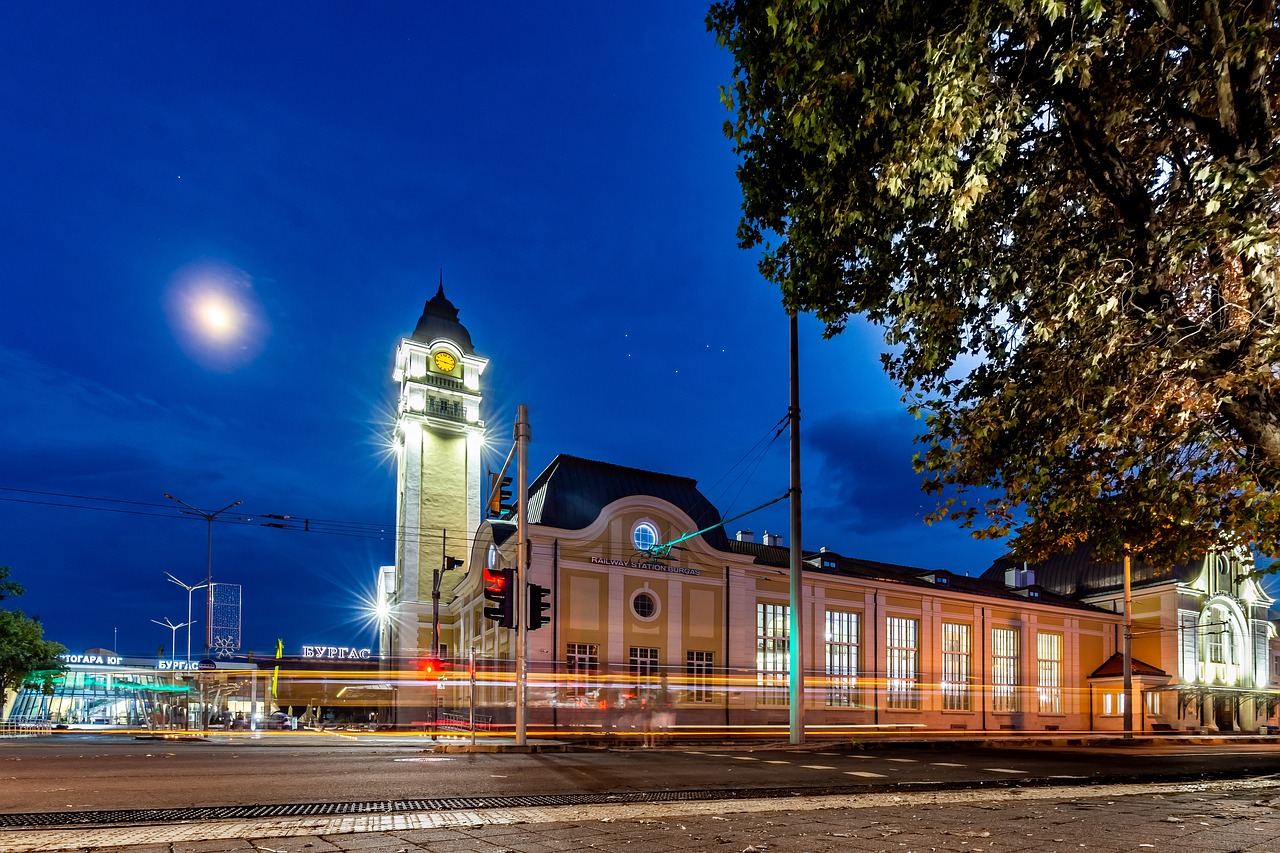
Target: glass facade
pixel 115 696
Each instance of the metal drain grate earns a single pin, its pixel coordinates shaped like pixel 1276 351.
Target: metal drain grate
pixel 171 815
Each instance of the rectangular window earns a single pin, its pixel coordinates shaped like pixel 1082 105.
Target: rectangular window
pixel 1049 667
pixel 842 659
pixel 773 657
pixel 1153 703
pixel 957 666
pixel 642 663
pixel 697 670
pixel 1113 703
pixel 902 662
pixel 1004 669
pixel 583 663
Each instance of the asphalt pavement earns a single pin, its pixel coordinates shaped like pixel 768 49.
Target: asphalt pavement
pixel 1237 815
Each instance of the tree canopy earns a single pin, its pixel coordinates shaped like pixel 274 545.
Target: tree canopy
pixel 1065 217
pixel 23 648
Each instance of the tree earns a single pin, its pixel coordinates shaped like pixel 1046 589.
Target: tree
pixel 8 588
pixel 1066 219
pixel 23 649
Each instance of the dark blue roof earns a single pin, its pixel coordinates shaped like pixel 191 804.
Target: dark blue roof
pixel 572 492
pixel 1077 574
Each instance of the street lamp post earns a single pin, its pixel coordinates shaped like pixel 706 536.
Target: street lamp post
pixel 173 640
pixel 208 517
pixel 190 589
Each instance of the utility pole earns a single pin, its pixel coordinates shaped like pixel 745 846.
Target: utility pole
pixel 797 589
pixel 522 436
pixel 1128 647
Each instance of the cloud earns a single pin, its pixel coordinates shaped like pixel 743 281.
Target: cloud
pixel 866 478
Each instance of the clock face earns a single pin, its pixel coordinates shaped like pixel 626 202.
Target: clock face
pixel 445 361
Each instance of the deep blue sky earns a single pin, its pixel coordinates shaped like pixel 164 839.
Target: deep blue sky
pixel 563 164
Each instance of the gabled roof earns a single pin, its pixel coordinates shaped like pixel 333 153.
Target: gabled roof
pixel 1077 574
pixel 1114 666
pixel 572 492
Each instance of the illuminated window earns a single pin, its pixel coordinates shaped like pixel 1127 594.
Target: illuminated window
pixel 1004 669
pixel 957 666
pixel 645 536
pixel 842 658
pixel 583 663
pixel 1219 645
pixel 773 658
pixel 1049 667
pixel 697 668
pixel 643 665
pixel 902 662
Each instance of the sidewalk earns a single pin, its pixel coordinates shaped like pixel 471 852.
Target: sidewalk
pixel 1238 815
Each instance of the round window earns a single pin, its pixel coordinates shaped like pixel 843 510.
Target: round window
pixel 644 604
pixel 645 536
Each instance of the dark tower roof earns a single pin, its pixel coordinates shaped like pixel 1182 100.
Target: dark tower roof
pixel 571 493
pixel 440 320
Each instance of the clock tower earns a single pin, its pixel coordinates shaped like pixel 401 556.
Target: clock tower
pixel 438 440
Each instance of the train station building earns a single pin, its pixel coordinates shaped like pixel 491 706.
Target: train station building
pixel 706 625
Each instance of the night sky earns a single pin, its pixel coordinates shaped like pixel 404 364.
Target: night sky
pixel 320 166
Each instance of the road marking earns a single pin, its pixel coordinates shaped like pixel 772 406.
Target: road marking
pixel 902 760
pixel 745 757
pixel 1002 770
pixel 864 774
pixel 691 752
pixel 817 767
pixel 426 758
pixel 827 753
pixel 777 762
pixel 947 764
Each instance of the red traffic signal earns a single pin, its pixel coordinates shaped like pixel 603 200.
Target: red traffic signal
pixel 430 666
pixel 499 588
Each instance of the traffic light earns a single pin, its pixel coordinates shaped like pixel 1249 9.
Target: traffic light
pixel 430 667
pixel 499 587
pixel 538 606
pixel 500 504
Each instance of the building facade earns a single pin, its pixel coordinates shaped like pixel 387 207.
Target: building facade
pixel 1204 647
pixel 702 629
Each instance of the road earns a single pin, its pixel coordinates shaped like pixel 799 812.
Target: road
pixel 103 772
